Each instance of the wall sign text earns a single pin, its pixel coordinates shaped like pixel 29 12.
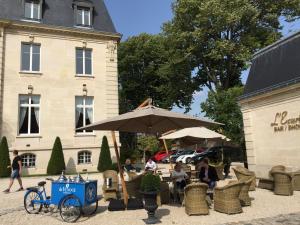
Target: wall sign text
pixel 283 122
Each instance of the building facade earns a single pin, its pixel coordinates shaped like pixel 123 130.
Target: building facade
pixel 271 107
pixel 58 67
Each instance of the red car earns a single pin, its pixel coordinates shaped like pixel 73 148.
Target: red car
pixel 160 155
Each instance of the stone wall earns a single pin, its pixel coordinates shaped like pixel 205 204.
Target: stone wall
pixel 270 125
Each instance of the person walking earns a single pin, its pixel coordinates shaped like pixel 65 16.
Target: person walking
pixel 16 171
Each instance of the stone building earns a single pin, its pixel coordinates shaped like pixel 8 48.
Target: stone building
pixel 271 107
pixel 58 69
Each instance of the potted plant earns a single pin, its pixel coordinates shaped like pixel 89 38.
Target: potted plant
pixel 150 187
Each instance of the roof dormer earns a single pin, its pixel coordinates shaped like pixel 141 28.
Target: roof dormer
pixel 83 13
pixel 33 9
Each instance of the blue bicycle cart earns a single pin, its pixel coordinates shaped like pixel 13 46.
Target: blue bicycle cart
pixel 72 198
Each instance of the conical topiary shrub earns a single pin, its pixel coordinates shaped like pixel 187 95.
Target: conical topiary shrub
pixel 57 162
pixel 105 162
pixel 4 159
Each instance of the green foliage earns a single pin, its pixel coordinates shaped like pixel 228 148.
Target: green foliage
pixel 218 37
pixel 4 158
pixel 150 182
pixel 148 69
pixel 105 162
pixel 223 107
pixel 114 166
pixel 128 146
pixel 57 162
pixel 148 143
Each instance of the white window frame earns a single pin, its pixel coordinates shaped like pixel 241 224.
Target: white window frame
pixel 83 10
pixel 27 159
pixel 30 58
pixel 32 3
pixel 84 106
pixel 83 61
pixel 84 157
pixel 29 106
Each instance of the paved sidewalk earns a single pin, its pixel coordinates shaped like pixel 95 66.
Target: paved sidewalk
pixel 287 219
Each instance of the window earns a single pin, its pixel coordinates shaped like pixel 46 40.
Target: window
pixel 28 160
pixel 29 110
pixel 30 54
pixel 83 112
pixel 83 16
pixel 83 61
pixel 32 10
pixel 84 157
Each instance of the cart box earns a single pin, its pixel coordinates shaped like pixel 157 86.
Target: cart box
pixel 86 191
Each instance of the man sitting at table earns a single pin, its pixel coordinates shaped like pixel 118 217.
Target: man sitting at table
pixel 151 165
pixel 207 173
pixel 179 176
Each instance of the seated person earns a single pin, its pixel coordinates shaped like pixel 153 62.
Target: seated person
pixel 151 165
pixel 207 173
pixel 128 166
pixel 179 177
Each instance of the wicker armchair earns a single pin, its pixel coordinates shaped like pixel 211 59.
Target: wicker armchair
pixel 244 194
pixel 276 168
pixel 243 173
pixel 296 180
pixel 195 199
pixel 219 170
pixel 226 199
pixel 282 183
pixel 110 192
pixel 133 187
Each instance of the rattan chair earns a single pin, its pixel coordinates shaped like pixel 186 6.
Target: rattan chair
pixel 195 199
pixel 226 199
pixel 276 168
pixel 242 173
pixel 112 191
pixel 219 170
pixel 133 187
pixel 282 182
pixel 244 194
pixel 296 180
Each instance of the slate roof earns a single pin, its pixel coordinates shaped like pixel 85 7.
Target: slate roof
pixel 275 66
pixel 59 13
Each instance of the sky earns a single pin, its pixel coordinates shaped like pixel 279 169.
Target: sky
pixel 132 17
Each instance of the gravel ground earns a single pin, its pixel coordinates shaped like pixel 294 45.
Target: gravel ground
pixel 264 205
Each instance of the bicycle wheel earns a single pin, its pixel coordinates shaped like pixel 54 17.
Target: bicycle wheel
pixel 90 209
pixel 32 202
pixel 70 209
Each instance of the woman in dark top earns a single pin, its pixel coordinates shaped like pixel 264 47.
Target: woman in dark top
pixel 207 174
pixel 16 171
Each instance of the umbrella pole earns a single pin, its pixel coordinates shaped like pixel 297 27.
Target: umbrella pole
pixel 167 150
pixel 120 169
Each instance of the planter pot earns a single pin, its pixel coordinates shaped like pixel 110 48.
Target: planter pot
pixel 151 206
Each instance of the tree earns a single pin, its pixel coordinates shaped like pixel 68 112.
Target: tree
pixel 105 162
pixel 222 106
pixel 57 162
pixel 147 69
pixel 218 37
pixel 4 158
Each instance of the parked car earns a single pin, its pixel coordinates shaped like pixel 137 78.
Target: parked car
pixel 161 155
pixel 223 152
pixel 187 158
pixel 177 154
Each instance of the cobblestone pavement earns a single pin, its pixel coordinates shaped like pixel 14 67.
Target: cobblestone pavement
pixel 287 219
